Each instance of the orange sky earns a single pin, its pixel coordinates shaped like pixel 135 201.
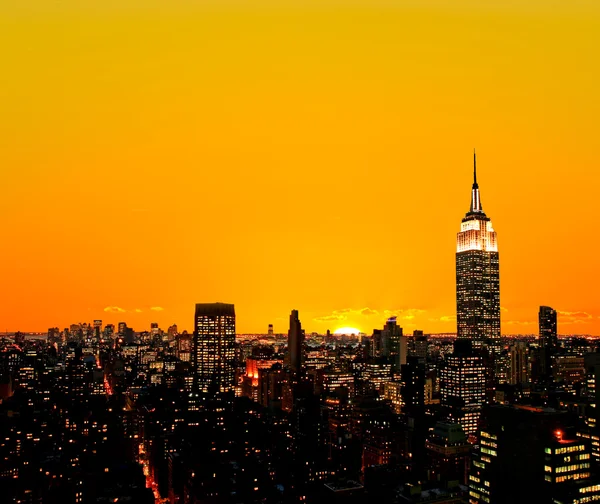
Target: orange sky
pixel 287 154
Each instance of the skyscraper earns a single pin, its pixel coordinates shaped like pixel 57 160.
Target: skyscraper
pixel 462 386
pixel 477 276
pixel 295 344
pixel 548 340
pixel 214 347
pixel 394 344
pixel 548 327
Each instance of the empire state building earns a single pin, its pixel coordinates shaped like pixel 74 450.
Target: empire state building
pixel 477 276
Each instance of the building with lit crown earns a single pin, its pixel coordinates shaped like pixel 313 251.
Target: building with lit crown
pixel 478 277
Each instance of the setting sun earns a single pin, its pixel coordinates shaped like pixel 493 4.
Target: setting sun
pixel 347 331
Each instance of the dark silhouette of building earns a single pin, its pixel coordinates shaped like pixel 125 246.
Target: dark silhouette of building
pixel 295 350
pixel 548 327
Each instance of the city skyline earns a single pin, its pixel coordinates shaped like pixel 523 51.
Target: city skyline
pixel 343 159
pixel 479 238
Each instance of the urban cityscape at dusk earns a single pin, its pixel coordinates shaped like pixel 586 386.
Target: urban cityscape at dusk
pixel 250 254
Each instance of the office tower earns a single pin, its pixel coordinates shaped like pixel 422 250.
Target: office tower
pixel 447 453
pixel 463 386
pixel 591 428
pixel 477 277
pixel 519 364
pixel 122 327
pixel 214 347
pixel 154 330
pixel 109 330
pixel 419 345
pixel 394 344
pixel 528 454
pixel 294 357
pixel 270 333
pixel 413 385
pixel 548 341
pixel 548 327
pixel 97 328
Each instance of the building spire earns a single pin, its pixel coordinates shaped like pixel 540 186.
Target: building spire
pixel 475 198
pixel 475 170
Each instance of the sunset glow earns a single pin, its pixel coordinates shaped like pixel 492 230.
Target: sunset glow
pixel 330 143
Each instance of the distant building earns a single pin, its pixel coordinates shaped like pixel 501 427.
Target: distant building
pixel 448 453
pixel 519 364
pixel 295 350
pixel 548 327
pixel 214 347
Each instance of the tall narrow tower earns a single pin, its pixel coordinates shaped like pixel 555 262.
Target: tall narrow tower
pixel 548 327
pixel 295 345
pixel 477 276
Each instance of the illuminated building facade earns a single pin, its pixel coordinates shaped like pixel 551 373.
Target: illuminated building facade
pixel 478 277
pixel 526 454
pixel 214 347
pixel 462 387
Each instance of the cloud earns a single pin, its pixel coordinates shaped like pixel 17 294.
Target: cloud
pixel 114 309
pixel 519 322
pixel 503 309
pixel 367 312
pixel 157 308
pixel 404 314
pixel 138 310
pixel 346 313
pixel 576 315
pixel 448 318
pixel 327 318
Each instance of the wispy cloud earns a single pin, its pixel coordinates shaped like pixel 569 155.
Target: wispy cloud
pixel 503 309
pixel 346 313
pixel 157 308
pixel 574 317
pixel 138 310
pixel 448 318
pixel 333 316
pixel 519 322
pixel 368 312
pixel 114 309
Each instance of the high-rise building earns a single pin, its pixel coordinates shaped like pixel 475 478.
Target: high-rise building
pixel 463 386
pixel 270 333
pixel 394 344
pixel 295 355
pixel 519 364
pixel 548 327
pixel 528 454
pixel 478 276
pixel 97 328
pixel 447 453
pixel 214 347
